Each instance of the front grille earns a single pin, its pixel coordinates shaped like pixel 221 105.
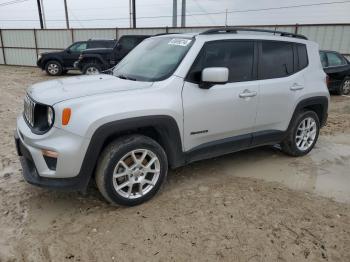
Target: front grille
pixel 29 108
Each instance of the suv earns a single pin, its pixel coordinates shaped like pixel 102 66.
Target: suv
pixel 57 63
pixel 173 100
pixel 93 61
pixel 337 67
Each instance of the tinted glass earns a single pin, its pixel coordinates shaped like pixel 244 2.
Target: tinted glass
pixel 237 56
pixel 101 44
pixel 128 42
pixel 302 56
pixel 323 59
pixel 276 59
pixel 335 60
pixel 78 47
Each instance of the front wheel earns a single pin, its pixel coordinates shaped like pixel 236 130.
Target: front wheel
pixel 53 68
pixel 302 135
pixel 131 170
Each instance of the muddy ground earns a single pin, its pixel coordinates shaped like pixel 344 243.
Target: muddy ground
pixel 258 205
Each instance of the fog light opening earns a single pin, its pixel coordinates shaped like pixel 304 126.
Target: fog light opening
pixel 49 153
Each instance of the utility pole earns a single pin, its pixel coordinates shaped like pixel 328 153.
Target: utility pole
pixel 226 19
pixel 66 13
pixel 130 14
pixel 133 14
pixel 43 13
pixel 174 13
pixel 183 14
pixel 40 15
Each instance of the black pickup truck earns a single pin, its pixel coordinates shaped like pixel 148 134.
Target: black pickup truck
pixel 337 67
pixel 57 63
pixel 94 61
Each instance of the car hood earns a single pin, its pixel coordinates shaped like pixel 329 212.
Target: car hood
pixel 54 91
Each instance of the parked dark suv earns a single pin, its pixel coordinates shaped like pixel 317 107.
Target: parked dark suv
pixel 57 63
pixel 337 67
pixel 93 61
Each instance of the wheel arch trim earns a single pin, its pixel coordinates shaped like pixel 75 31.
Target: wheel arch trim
pixel 166 127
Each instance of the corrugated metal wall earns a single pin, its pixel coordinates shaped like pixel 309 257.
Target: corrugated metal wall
pixel 21 47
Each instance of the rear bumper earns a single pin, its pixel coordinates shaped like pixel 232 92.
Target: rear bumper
pixel 40 64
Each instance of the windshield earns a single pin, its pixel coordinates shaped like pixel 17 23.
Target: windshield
pixel 154 59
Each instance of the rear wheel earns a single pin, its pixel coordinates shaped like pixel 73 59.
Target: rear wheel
pixel 131 170
pixel 53 68
pixel 344 89
pixel 92 69
pixel 302 135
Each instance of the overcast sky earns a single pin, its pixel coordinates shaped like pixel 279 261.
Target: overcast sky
pixel 115 13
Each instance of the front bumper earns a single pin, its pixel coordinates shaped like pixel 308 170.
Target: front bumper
pixel 30 173
pixel 36 170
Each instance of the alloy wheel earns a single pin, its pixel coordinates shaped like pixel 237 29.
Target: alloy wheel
pixel 53 69
pixel 346 87
pixel 92 71
pixel 136 173
pixel 306 134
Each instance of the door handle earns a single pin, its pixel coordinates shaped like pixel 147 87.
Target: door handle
pixel 296 87
pixel 247 93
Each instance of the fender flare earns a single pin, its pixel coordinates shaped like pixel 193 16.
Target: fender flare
pixel 167 130
pixel 310 102
pixel 55 58
pixel 93 57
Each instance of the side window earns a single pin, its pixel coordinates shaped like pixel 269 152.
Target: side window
pixel 101 44
pixel 127 43
pixel 276 59
pixel 302 56
pixel 237 56
pixel 335 60
pixel 323 59
pixel 78 47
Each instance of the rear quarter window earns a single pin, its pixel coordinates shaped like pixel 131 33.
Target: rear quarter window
pixel 303 60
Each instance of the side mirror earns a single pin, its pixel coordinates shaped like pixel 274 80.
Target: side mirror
pixel 68 51
pixel 212 76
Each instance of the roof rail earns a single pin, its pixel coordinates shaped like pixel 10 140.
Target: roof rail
pixel 233 30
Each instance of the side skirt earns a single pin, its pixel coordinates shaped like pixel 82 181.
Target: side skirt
pixel 233 144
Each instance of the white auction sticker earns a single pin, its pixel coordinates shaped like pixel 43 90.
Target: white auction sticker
pixel 179 41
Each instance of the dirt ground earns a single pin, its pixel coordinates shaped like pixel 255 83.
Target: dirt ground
pixel 258 205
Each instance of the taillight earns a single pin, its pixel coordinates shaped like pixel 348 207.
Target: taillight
pixel 327 80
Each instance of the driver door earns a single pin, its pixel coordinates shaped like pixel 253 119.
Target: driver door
pixel 72 53
pixel 225 113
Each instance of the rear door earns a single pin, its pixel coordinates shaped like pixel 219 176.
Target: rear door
pixel 281 82
pixel 223 113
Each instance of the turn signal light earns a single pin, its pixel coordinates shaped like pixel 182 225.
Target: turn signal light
pixel 66 113
pixel 49 153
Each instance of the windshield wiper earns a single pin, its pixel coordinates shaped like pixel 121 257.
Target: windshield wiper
pixel 126 77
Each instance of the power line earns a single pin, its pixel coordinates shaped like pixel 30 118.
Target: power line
pixel 12 2
pixel 188 14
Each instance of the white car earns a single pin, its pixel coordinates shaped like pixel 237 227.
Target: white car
pixel 173 100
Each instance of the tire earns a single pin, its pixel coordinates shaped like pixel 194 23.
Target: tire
pixel 344 88
pixel 53 68
pixel 92 69
pixel 293 143
pixel 132 177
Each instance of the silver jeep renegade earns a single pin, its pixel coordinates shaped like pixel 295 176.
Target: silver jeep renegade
pixel 173 100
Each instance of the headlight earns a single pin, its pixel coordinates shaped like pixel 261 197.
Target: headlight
pixel 39 56
pixel 49 116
